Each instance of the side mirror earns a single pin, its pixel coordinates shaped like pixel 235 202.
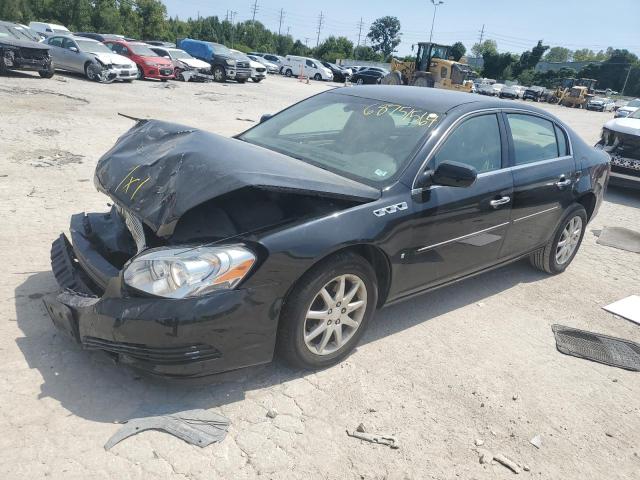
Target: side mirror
pixel 73 49
pixel 265 117
pixel 448 174
pixel 454 174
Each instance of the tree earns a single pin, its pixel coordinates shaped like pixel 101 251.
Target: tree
pixel 558 54
pixel 333 48
pixel 366 53
pixel 385 35
pixel 488 46
pixel 458 50
pixel 498 65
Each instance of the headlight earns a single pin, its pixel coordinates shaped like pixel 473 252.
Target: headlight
pixel 230 62
pixel 189 272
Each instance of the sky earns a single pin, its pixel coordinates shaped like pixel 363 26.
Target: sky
pixel 514 24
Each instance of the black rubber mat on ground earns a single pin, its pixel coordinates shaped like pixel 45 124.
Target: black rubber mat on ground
pixel 616 352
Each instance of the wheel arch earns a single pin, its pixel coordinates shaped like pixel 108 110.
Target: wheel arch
pixel 588 201
pixel 376 257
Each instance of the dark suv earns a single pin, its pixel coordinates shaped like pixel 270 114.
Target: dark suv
pixel 224 64
pixel 533 93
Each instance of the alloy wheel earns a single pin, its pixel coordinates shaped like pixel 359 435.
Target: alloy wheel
pixel 360 81
pixel 335 314
pixel 569 240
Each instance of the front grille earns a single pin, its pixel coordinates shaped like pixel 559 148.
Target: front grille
pixel 166 71
pixel 135 228
pixel 242 65
pixel 116 65
pixel 34 54
pixel 628 163
pixel 261 70
pixel 155 355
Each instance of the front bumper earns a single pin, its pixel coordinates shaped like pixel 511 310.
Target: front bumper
pixel 595 108
pixel 193 337
pixel 160 73
pixel 625 172
pixel 18 60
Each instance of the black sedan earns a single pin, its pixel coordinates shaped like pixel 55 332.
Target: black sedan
pixel 368 76
pixel 220 252
pixel 339 74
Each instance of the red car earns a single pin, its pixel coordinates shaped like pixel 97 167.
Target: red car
pixel 150 65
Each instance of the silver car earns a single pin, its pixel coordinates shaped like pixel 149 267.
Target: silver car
pixel 91 58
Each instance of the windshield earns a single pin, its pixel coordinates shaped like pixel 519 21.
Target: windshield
pixel 635 114
pixel 363 139
pixel 142 50
pixel 179 54
pixel 93 47
pixel 634 103
pixel 17 32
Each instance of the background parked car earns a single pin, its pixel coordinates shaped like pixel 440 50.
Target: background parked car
pixel 48 29
pixel 21 50
pixel 621 140
pixel 91 58
pixel 628 109
pixel 510 91
pixel 270 57
pixel 601 104
pixel 149 64
pixel 160 43
pixel 368 76
pixel 533 93
pixel 224 65
pixel 339 74
pixel 185 67
pixel 271 67
pixel 100 37
pixel 485 89
pixel 308 67
pixel 258 70
pixel 496 88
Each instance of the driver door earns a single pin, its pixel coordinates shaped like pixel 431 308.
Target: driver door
pixel 460 230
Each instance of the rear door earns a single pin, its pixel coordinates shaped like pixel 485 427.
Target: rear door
pixel 544 174
pixel 456 230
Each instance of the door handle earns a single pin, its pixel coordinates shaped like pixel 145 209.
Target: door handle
pixel 563 182
pixel 500 201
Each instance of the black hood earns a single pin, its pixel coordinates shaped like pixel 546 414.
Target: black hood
pixel 160 170
pixel 14 42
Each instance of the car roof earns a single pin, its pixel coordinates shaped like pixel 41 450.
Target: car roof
pixel 433 99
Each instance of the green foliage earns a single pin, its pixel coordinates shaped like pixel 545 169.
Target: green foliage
pixel 558 54
pixel 367 53
pixel 385 35
pixel 587 55
pixel 488 46
pixel 496 64
pixel 458 50
pixel 333 48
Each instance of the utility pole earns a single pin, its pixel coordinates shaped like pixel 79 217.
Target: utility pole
pixel 306 41
pixel 254 9
pixel 626 80
pixel 481 35
pixel 320 24
pixel 232 14
pixel 360 25
pixel 281 17
pixel 436 4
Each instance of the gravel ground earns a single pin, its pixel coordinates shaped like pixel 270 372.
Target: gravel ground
pixel 474 361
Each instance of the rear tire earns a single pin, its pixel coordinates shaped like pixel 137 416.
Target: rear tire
pixel 550 258
pixel 344 325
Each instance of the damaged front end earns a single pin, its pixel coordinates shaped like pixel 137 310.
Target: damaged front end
pixel 24 58
pixel 107 73
pixel 624 150
pixel 166 280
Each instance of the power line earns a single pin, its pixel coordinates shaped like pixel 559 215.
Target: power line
pixel 254 9
pixel 320 24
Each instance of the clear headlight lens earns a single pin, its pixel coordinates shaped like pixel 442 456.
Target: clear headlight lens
pixel 183 273
pixel 230 62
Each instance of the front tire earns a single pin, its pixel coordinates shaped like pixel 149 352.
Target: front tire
pixel 360 81
pixel 219 74
pixel 558 254
pixel 48 73
pixel 288 73
pixel 256 80
pixel 317 77
pixel 140 73
pixel 327 312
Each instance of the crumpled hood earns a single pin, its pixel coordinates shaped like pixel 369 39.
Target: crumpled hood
pixel 15 42
pixel 194 63
pixel 624 125
pixel 109 58
pixel 160 170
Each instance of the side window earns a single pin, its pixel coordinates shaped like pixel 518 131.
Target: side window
pixel 562 142
pixel 534 138
pixel 68 43
pixel 444 72
pixel 56 41
pixel 476 143
pixel 309 63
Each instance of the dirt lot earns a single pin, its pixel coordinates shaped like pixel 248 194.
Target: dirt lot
pixel 473 361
